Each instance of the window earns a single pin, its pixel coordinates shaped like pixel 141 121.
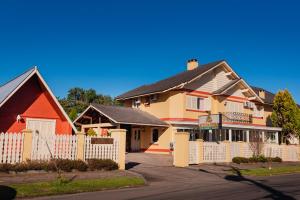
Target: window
pixel 258 111
pixel 234 107
pixel 195 103
pixel 238 135
pixel 136 102
pixel 154 135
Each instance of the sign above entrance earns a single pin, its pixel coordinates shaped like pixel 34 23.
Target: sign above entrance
pixel 102 140
pixel 209 122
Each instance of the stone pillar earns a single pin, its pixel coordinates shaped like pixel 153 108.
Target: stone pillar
pixel 80 146
pixel 27 144
pixel 181 151
pixel 120 134
pixel 200 150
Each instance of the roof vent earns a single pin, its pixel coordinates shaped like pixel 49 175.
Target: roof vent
pixel 192 64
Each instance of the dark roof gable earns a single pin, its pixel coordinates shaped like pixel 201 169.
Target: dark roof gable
pixel 170 82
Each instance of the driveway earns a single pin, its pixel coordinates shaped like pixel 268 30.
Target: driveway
pixel 168 182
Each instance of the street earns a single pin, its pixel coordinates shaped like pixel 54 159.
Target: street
pixel 167 182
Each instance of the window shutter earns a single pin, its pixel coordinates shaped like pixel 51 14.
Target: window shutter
pixel 207 104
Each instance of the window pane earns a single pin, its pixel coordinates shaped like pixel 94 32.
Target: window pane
pixel 154 135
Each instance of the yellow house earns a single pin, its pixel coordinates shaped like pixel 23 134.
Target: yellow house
pixel 211 102
pixel 210 96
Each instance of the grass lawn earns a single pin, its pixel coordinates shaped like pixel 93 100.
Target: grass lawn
pixel 76 186
pixel 273 171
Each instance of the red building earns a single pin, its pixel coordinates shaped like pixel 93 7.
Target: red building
pixel 27 102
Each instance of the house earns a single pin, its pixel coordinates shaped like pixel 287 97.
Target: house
pixel 26 102
pixel 211 102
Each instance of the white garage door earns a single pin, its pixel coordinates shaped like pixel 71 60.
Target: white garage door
pixel 43 133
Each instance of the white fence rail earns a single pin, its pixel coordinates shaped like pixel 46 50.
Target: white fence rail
pixel 214 152
pixel 101 151
pixel 57 146
pixel 11 147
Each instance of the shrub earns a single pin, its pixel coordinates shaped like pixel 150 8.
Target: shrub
pixel 64 164
pixel 102 164
pixel 36 165
pixel 5 167
pixel 239 160
pixel 276 159
pixel 262 158
pixel 20 167
pixel 80 165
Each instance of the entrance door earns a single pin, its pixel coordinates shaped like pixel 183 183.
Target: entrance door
pixel 43 131
pixel 135 139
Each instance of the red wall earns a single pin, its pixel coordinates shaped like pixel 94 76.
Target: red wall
pixel 31 101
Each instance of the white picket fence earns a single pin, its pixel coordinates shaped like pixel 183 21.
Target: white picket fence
pixel 193 152
pixel 57 146
pixel 101 151
pixel 11 147
pixel 214 152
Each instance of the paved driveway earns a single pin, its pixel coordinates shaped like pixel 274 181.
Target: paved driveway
pixel 167 182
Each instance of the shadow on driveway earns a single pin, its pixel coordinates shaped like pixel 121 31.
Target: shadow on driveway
pixel 274 194
pixel 7 193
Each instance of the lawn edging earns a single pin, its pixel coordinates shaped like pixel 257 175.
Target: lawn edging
pixel 263 171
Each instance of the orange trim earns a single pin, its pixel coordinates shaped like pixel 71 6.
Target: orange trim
pixel 202 111
pixel 178 119
pixel 157 150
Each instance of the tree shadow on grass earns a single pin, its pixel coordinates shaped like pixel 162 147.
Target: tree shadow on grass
pixel 7 193
pixel 238 177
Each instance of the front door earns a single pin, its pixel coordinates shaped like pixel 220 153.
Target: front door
pixel 135 139
pixel 43 131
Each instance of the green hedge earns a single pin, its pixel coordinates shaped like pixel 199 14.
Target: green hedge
pixel 255 159
pixel 61 164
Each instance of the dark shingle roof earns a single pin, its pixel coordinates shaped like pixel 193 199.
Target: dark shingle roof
pixel 126 115
pixel 170 82
pixel 269 96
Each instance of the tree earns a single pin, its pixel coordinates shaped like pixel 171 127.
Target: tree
pixel 286 114
pixel 78 99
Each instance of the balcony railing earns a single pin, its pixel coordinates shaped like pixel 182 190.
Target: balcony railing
pixel 217 120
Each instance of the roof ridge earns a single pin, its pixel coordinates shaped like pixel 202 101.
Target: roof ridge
pixel 31 69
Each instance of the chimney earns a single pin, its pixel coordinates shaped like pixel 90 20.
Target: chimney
pixel 192 64
pixel 262 94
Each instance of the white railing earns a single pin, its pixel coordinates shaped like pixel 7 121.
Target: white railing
pixel 56 146
pixel 214 152
pixel 193 152
pixel 11 147
pixel 101 151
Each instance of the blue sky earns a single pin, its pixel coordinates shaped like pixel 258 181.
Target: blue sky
pixel 114 46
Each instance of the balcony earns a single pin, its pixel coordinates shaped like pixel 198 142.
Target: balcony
pixel 215 121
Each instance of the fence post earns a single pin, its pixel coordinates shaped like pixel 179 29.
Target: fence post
pixel 228 150
pixel 80 146
pixel 120 134
pixel 27 144
pixel 181 151
pixel 200 150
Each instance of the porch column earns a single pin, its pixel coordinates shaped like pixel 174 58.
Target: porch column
pixel 210 135
pixel 247 136
pixel 276 138
pixel 263 136
pixel 230 135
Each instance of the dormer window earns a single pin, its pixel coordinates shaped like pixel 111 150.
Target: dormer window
pixel 136 102
pixel 153 98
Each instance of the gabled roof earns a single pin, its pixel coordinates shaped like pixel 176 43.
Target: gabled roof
pixel 269 96
pixel 10 88
pixel 169 83
pixel 125 115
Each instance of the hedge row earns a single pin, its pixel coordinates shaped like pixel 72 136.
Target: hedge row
pixel 255 159
pixel 61 164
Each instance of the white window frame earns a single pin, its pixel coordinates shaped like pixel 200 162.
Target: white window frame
pixel 258 112
pixel 135 104
pixel 232 106
pixel 195 103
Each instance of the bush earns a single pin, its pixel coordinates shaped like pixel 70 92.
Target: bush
pixel 80 165
pixel 6 167
pixel 262 158
pixel 102 164
pixel 239 160
pixel 64 164
pixel 276 159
